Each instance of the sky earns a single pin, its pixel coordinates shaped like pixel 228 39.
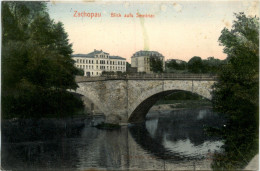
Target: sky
pixel 178 30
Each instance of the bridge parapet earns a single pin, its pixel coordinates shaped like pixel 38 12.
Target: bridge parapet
pixel 164 76
pixel 128 98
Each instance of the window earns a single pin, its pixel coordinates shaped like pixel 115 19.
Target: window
pixel 97 62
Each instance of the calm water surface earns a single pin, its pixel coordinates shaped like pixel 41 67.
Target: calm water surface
pixel 170 140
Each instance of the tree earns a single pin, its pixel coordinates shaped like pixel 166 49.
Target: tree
pixel 128 65
pixel 239 77
pixel 36 63
pixel 156 64
pixel 176 66
pixel 195 65
pixel 212 65
pixel 236 92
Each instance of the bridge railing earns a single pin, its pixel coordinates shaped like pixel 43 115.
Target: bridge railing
pixel 163 76
pixel 171 76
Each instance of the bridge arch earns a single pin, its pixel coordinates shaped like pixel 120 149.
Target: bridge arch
pixel 140 112
pixel 146 99
pixel 93 97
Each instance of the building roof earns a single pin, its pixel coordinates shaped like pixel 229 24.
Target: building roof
pixel 83 55
pixel 95 52
pixel 146 53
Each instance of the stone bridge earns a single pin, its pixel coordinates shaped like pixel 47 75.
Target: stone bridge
pixel 127 99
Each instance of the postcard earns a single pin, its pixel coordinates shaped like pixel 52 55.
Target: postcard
pixel 130 85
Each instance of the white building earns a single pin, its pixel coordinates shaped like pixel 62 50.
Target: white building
pixel 94 63
pixel 141 60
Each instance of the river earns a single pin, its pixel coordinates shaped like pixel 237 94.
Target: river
pixel 168 140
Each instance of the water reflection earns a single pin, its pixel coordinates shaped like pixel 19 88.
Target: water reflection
pixel 179 135
pixel 171 140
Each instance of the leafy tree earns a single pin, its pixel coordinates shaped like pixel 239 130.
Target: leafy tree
pixel 36 62
pixel 128 65
pixel 212 65
pixel 177 66
pixel 236 92
pixel 156 64
pixel 195 65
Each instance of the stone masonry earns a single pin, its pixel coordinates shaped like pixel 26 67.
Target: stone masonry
pixel 128 100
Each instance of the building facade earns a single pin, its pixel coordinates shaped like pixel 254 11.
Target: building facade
pixel 141 60
pixel 94 63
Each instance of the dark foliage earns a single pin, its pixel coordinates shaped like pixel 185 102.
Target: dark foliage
pixel 178 66
pixel 156 64
pixel 36 62
pixel 196 65
pixel 236 93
